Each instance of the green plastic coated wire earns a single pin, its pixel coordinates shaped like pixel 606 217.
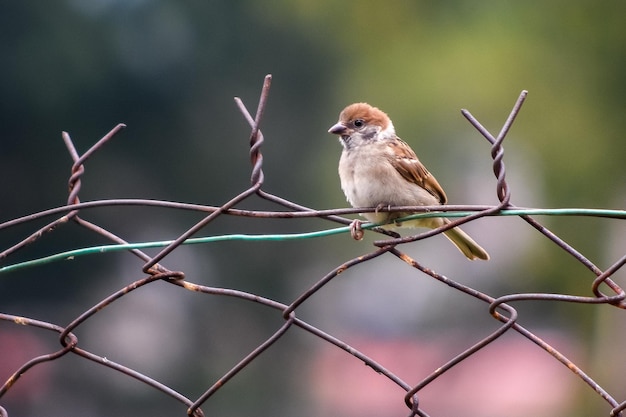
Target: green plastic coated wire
pixel 69 255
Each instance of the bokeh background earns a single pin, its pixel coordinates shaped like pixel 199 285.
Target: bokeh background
pixel 169 70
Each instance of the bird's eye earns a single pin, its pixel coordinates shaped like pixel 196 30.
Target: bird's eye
pixel 359 123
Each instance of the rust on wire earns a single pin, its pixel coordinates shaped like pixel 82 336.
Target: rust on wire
pixel 500 308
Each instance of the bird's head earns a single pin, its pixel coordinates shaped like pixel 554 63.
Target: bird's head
pixel 360 123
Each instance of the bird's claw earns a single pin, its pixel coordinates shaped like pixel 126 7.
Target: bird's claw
pixel 382 206
pixel 356 231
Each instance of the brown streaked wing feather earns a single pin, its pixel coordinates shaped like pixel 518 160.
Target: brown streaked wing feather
pixel 408 165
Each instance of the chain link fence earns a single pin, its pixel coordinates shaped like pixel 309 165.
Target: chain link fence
pixel 603 289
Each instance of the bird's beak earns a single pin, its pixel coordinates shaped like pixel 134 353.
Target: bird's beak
pixel 338 129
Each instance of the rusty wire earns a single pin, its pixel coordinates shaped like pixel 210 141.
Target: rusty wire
pixel 499 307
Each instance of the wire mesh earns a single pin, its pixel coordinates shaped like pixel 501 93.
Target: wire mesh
pixel 604 290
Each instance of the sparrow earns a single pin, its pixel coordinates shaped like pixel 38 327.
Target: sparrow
pixel 378 169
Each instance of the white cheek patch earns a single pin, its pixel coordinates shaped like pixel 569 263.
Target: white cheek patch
pixel 388 132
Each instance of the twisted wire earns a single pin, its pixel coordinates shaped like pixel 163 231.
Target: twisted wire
pixel 500 308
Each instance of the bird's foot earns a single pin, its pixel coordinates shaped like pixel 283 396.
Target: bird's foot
pixel 356 231
pixel 382 206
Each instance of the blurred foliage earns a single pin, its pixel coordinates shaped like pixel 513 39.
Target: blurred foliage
pixel 169 71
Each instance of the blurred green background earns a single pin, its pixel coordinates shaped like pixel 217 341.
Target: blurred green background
pixel 169 70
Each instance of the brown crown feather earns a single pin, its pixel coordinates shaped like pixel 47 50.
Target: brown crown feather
pixel 369 114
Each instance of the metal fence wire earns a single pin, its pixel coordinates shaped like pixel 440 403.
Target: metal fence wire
pixel 603 288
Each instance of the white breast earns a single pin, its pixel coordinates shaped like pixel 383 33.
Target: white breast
pixel 368 180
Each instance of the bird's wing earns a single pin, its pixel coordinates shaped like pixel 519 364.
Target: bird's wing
pixel 404 160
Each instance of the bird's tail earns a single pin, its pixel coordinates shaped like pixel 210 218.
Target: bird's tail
pixel 466 244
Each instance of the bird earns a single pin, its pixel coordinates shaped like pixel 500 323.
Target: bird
pixel 378 169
